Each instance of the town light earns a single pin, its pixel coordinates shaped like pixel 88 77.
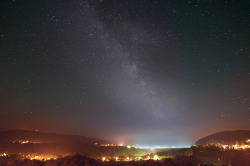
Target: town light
pixel 156 157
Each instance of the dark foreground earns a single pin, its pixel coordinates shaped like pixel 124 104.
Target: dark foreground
pixel 78 160
pixel 194 156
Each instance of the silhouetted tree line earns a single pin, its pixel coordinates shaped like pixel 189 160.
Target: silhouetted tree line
pixel 229 157
pixel 78 160
pixel 196 155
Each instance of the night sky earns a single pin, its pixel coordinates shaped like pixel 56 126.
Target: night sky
pixel 148 71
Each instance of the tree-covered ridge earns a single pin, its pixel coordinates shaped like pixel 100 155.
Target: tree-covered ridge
pixel 42 137
pixel 226 138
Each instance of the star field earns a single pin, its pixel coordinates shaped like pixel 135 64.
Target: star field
pixel 131 71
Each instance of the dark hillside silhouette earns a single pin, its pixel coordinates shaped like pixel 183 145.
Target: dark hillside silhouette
pixel 33 136
pixel 225 138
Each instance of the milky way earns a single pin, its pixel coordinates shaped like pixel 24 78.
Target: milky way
pixel 157 72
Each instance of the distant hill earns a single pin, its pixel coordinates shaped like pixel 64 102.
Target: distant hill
pixel 59 144
pixel 226 137
pixel 33 136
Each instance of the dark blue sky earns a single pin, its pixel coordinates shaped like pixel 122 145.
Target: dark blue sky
pixel 157 72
